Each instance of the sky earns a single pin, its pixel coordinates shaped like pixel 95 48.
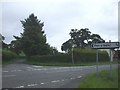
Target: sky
pixel 60 16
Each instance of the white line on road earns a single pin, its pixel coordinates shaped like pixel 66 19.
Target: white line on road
pixel 30 67
pixel 72 78
pixel 20 87
pixel 79 76
pixel 5 71
pixel 9 75
pixel 42 83
pixel 62 80
pixel 32 85
pixel 55 81
pixel 37 69
pixel 16 70
pixel 37 66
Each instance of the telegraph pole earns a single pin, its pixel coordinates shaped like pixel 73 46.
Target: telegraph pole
pixel 97 61
pixel 72 55
pixel 110 61
pixel 72 51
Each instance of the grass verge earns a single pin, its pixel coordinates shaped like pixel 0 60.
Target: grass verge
pixel 8 62
pixel 102 81
pixel 65 64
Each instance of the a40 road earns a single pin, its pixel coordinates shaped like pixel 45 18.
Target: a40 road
pixel 21 75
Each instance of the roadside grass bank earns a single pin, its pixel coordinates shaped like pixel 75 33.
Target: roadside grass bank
pixel 8 62
pixel 8 57
pixel 81 57
pixel 33 62
pixel 102 81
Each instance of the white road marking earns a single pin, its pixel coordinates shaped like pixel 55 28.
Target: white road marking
pixel 79 76
pixel 72 78
pixel 9 75
pixel 16 70
pixel 37 69
pixel 55 81
pixel 5 71
pixel 42 83
pixel 37 66
pixel 32 85
pixel 63 80
pixel 30 67
pixel 20 87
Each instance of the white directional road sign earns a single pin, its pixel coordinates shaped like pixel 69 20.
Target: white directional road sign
pixel 106 45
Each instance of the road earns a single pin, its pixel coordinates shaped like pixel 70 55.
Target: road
pixel 20 75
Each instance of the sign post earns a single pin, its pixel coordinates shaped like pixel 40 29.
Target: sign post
pixel 107 45
pixel 110 61
pixel 72 56
pixel 97 61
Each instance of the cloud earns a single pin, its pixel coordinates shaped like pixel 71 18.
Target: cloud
pixel 59 16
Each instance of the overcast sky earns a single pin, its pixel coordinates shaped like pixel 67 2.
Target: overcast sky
pixel 60 16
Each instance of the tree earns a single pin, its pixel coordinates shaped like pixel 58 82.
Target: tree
pixel 54 51
pixel 79 36
pixel 66 46
pixel 15 45
pixel 96 38
pixel 33 39
pixel 4 45
pixel 81 39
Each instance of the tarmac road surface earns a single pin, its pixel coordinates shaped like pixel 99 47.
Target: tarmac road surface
pixel 20 75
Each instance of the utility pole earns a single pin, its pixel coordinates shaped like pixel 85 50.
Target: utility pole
pixel 72 55
pixel 110 61
pixel 72 51
pixel 97 61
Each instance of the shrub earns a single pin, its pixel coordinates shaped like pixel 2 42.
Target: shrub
pixel 80 55
pixel 89 55
pixel 65 58
pixel 8 55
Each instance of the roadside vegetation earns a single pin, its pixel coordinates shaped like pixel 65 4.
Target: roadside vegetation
pixel 67 64
pixel 8 57
pixel 32 45
pixel 82 57
pixel 102 81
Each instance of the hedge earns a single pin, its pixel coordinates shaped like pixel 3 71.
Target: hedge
pixel 65 58
pixel 8 55
pixel 89 55
pixel 80 55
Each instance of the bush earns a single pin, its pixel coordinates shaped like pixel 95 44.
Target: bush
pixel 65 58
pixel 89 55
pixel 8 55
pixel 80 55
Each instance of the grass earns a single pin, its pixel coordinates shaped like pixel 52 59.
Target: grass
pixel 8 62
pixel 65 64
pixel 11 61
pixel 102 81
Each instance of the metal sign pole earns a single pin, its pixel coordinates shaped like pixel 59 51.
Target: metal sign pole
pixel 72 56
pixel 97 61
pixel 110 63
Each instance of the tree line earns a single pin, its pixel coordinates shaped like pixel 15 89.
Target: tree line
pixel 33 39
pixel 82 38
